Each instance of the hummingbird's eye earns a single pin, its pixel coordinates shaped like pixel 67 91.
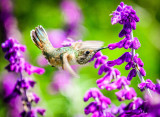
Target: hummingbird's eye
pixel 87 52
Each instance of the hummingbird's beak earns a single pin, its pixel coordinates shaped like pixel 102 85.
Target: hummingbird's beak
pixel 101 49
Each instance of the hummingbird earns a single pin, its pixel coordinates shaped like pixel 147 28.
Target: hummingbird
pixel 78 53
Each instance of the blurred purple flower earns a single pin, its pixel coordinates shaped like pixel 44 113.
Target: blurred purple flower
pixel 13 53
pixel 71 12
pixel 42 61
pixel 61 80
pixel 56 37
pixel 8 21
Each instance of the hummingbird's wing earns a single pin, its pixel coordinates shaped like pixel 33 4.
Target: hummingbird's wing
pixel 88 45
pixel 66 66
pixel 40 39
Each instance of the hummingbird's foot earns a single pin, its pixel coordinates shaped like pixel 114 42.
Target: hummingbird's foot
pixel 66 66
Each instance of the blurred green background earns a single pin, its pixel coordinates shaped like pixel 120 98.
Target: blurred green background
pixel 97 23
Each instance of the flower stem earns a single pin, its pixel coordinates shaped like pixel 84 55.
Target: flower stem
pixel 137 70
pixel 25 98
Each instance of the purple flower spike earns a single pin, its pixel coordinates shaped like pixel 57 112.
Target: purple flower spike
pixel 13 53
pixel 131 74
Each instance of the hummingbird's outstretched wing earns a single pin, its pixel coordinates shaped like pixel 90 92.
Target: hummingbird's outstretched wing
pixel 88 45
pixel 40 39
pixel 66 66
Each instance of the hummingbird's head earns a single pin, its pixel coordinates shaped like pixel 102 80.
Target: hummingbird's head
pixel 85 55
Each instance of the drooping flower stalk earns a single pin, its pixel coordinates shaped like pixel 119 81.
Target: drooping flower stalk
pixel 13 53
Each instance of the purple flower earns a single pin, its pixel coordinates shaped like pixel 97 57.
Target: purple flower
pixel 97 107
pixel 126 44
pixel 111 63
pixel 93 92
pixel 33 112
pixel 142 71
pixel 104 68
pixel 61 80
pixel 126 94
pixel 72 12
pixel 41 111
pixel 56 37
pixel 147 84
pixel 8 21
pixel 98 54
pixel 134 108
pixel 35 98
pixel 30 69
pixel 42 61
pixel 8 83
pixel 73 18
pixel 157 88
pixel 112 46
pixel 117 110
pixel 131 74
pixel 136 44
pixel 100 60
pixel 127 16
pixel 122 81
pixel 129 65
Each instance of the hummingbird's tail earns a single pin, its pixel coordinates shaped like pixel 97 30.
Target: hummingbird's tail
pixel 40 38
